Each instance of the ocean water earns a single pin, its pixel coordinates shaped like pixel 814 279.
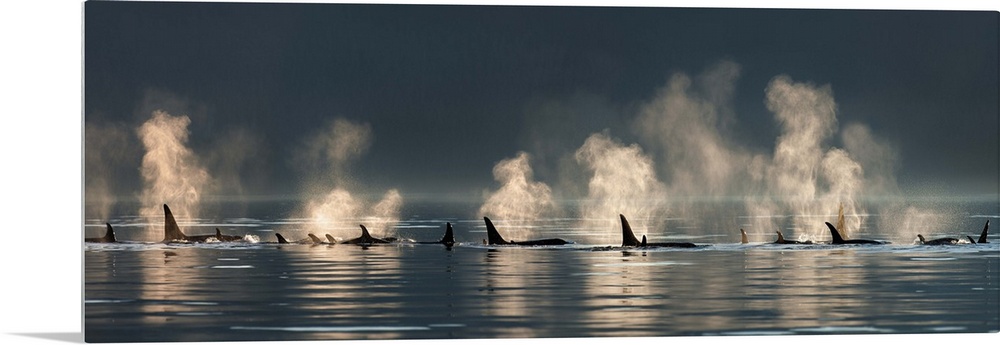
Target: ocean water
pixel 242 291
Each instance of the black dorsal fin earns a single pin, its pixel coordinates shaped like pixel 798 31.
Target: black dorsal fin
pixel 365 236
pixel 743 237
pixel 331 239
pixel 449 235
pixel 628 237
pixel 171 232
pixel 110 235
pixel 643 244
pixel 218 234
pixel 492 235
pixel 986 229
pixel 921 238
pixel 836 234
pixel 781 238
pixel 281 239
pixel 971 240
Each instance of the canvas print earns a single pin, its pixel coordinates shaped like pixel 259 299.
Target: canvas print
pixel 280 171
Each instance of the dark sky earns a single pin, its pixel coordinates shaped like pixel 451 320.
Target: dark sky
pixel 451 90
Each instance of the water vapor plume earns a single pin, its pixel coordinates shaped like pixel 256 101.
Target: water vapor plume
pixel 520 200
pixel 326 158
pixel 879 158
pixel 234 158
pixel 106 151
pixel 623 182
pixel 172 173
pixel 804 177
pixel 385 212
pixel 327 155
pixel 686 127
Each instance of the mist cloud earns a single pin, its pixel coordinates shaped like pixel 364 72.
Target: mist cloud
pixel 520 200
pixel 623 181
pixel 172 173
pixel 107 148
pixel 326 159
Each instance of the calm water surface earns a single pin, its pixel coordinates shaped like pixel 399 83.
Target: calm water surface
pixel 264 291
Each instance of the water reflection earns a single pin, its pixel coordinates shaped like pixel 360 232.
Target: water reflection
pixel 289 292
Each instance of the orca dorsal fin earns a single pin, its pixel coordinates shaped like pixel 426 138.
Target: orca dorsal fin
pixel 628 237
pixel 986 229
pixel 835 234
pixel 365 236
pixel 743 237
pixel 110 235
pixel 643 241
pixel 781 238
pixel 218 234
pixel 281 239
pixel 921 238
pixel 331 239
pixel 492 235
pixel 971 240
pixel 171 232
pixel 315 239
pixel 449 235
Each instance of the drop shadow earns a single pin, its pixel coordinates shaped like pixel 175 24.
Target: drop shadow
pixel 68 337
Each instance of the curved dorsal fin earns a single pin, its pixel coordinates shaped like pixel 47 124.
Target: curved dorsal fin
pixel 171 232
pixel 492 234
pixel 331 239
pixel 781 238
pixel 110 235
pixel 315 239
pixel 365 236
pixel 836 234
pixel 449 235
pixel 628 237
pixel 281 239
pixel 921 237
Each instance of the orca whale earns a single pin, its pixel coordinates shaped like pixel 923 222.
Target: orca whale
pixel 971 240
pixel 494 238
pixel 782 240
pixel 281 239
pixel 837 239
pixel 109 236
pixel 368 239
pixel 315 239
pixel 448 240
pixel 226 238
pixel 629 240
pixel 173 233
pixel 312 239
pixel 743 237
pixel 982 237
pixel 938 241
